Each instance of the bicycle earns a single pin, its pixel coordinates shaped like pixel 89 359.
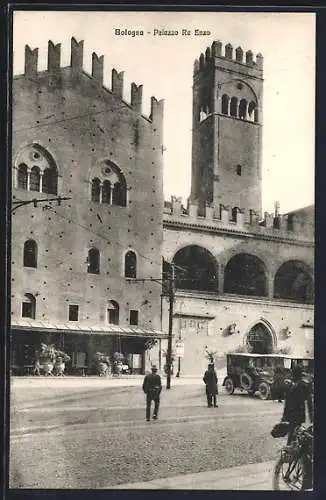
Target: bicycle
pixel 293 469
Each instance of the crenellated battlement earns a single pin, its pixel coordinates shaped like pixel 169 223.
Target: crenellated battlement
pixel 228 53
pixel 273 224
pixel 76 64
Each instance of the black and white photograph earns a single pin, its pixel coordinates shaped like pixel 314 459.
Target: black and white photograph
pixel 162 250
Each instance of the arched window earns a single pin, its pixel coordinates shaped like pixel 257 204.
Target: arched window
pixel 30 253
pixel 130 264
pixel 22 176
pixel 243 109
pixel 106 192
pixel 245 275
pixel 234 106
pixel 225 104
pixel 28 306
pixel 50 180
pixel 96 189
pixel 293 281
pixel 35 179
pixel 113 312
pixel 93 261
pixel 196 269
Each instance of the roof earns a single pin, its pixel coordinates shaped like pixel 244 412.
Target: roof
pixel 78 328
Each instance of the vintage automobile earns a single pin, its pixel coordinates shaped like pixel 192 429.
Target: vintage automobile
pixel 263 374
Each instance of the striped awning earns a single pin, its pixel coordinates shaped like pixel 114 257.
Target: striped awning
pixel 28 324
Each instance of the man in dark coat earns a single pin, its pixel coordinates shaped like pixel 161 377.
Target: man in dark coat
pixel 210 379
pixel 152 387
pixel 297 394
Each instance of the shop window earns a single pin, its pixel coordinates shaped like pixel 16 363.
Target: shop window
pixel 133 317
pixel 30 253
pixel 73 312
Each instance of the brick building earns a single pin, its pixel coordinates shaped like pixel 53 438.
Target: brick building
pixel 242 277
pixel 75 263
pixel 247 278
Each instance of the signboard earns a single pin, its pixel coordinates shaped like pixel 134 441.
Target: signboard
pixel 193 325
pixel 179 348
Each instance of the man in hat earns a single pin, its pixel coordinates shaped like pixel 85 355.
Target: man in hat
pixel 152 387
pixel 210 379
pixel 298 394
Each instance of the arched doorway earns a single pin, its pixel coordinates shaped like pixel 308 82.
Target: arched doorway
pixel 260 339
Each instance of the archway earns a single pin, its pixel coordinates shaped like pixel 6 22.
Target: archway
pixel 260 339
pixel 293 281
pixel 196 269
pixel 245 275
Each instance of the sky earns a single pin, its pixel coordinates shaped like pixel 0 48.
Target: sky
pixel 164 66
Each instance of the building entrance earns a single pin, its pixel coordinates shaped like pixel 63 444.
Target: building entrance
pixel 260 339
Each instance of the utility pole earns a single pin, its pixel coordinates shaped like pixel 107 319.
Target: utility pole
pixel 170 332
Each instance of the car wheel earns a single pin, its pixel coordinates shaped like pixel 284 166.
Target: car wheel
pixel 229 386
pixel 264 390
pixel 246 382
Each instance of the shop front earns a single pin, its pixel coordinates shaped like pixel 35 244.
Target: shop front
pixel 81 343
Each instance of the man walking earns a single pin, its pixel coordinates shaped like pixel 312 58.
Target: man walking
pixel 210 379
pixel 152 387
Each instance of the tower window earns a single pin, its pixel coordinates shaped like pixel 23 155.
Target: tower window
pixel 113 312
pixel 130 264
pixel 30 253
pixel 133 317
pixel 28 306
pixel 234 106
pixel 225 104
pixel 22 176
pixel 35 179
pixel 239 170
pixel 73 313
pixel 93 261
pixel 243 109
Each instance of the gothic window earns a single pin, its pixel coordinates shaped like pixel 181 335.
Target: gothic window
pixel 28 306
pixel 234 106
pixel 109 185
pixel 96 189
pixel 113 312
pixel 133 317
pixel 130 264
pixel 106 192
pixel 30 253
pixel 22 176
pixel 93 261
pixel 35 179
pixel 252 111
pixel 243 109
pixel 225 104
pixel 37 170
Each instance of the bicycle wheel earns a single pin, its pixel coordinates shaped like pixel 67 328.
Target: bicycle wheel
pixel 289 475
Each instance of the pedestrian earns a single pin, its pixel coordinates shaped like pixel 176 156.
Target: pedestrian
pixel 152 387
pixel 211 381
pixel 298 394
pixel 37 367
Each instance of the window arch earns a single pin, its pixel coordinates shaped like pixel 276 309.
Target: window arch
pixel 243 109
pixel 29 306
pixel 22 176
pixel 93 261
pixel 245 275
pixel 109 185
pixel 35 179
pixel 199 269
pixel 293 281
pixel 30 253
pixel 96 189
pixel 130 264
pixel 252 112
pixel 113 312
pixel 225 104
pixel 234 106
pixel 37 170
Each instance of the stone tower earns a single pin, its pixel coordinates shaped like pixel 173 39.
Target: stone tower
pixel 227 130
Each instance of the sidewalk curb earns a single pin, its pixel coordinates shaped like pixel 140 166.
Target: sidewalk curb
pixel 244 477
